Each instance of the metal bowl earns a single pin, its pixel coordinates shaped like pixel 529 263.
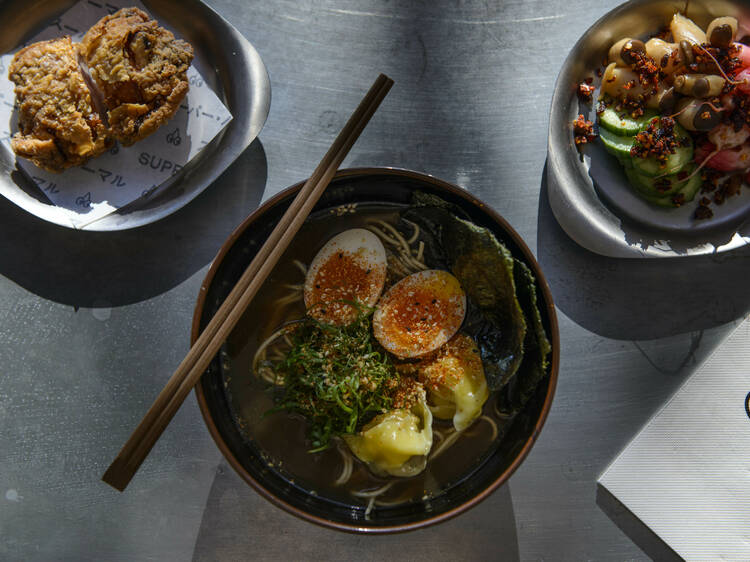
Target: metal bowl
pixel 590 195
pixel 382 186
pixel 228 62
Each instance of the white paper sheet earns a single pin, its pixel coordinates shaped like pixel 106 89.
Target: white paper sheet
pixel 686 475
pixel 124 174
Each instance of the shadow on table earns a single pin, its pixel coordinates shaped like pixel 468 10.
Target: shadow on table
pixel 238 524
pixel 648 541
pixel 640 299
pixel 94 269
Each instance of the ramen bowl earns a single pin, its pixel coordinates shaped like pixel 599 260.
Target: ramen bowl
pixel 226 398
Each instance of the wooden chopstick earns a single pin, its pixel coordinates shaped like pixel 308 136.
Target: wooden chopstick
pixel 143 438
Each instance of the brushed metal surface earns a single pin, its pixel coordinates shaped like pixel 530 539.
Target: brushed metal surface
pixel 225 58
pixel 92 324
pixel 590 195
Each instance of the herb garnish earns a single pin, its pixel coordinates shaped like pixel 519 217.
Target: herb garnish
pixel 338 377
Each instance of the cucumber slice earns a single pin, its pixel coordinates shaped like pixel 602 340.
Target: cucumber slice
pixel 616 144
pixel 634 179
pixel 688 189
pixel 624 125
pixel 692 187
pixel 674 163
pixel 625 161
pixel 648 185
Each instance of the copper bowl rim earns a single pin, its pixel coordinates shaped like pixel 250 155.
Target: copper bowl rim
pixel 554 363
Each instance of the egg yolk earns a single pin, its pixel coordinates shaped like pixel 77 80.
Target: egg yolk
pixel 420 313
pixel 342 279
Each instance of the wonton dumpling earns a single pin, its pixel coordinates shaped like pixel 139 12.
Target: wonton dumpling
pixel 396 442
pixel 454 378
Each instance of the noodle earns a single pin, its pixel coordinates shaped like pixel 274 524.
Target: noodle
pixel 420 252
pixel 374 493
pixel 302 267
pixel 296 289
pixel 346 471
pixel 414 236
pixel 260 354
pixel 383 235
pixel 394 231
pixel 408 258
pixel 267 374
pixel 437 433
pixel 445 441
pixel 372 496
pixel 288 299
pixel 370 504
pixel 492 423
pixel 451 438
pixel 499 413
pixel 382 503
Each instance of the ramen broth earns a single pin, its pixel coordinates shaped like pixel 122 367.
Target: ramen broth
pixel 281 436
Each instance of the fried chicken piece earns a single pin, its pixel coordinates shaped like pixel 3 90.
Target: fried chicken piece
pixel 58 125
pixel 140 70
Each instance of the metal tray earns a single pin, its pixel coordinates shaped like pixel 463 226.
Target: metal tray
pixel 589 196
pixel 224 57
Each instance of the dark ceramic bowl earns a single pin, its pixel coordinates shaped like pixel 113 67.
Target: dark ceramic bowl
pixel 382 186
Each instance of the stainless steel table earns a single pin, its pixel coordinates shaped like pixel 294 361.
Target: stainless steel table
pixel 93 324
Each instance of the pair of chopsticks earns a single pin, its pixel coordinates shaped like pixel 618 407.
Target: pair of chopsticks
pixel 136 449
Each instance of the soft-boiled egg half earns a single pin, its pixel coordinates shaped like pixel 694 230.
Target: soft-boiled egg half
pixel 419 313
pixel 351 267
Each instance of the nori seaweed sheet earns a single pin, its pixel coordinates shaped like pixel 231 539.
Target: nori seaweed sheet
pixel 502 311
pixel 533 368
